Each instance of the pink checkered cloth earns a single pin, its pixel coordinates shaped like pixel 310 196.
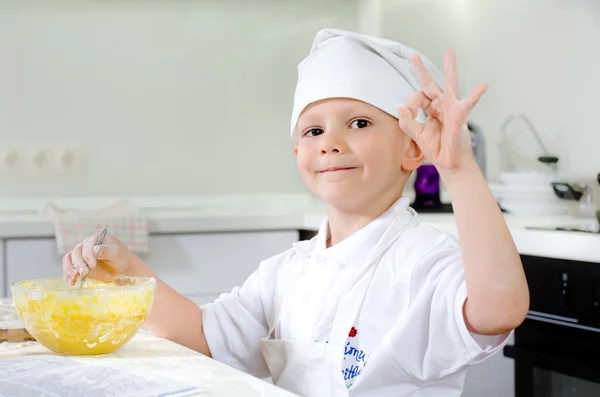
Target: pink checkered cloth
pixel 122 221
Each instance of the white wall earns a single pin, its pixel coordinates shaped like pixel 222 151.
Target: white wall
pixel 429 26
pixel 539 57
pixel 195 96
pixel 163 96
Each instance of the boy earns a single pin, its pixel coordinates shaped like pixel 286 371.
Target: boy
pixel 376 304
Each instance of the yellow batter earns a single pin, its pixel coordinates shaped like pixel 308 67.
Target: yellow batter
pixel 84 322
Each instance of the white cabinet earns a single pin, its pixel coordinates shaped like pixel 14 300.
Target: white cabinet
pixel 204 265
pixel 198 265
pixel 31 258
pixel 2 270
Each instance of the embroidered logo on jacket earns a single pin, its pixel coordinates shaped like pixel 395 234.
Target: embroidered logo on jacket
pixel 355 359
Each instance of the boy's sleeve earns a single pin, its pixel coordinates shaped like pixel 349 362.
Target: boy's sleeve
pixel 235 323
pixel 432 340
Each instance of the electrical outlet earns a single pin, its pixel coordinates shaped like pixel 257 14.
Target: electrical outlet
pixel 44 161
pixel 68 161
pixel 10 161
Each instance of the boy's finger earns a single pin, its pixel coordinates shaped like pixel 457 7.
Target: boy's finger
pixel 411 127
pixel 87 252
pixel 450 76
pixel 473 98
pixel 78 261
pixel 101 274
pixel 105 252
pixel 68 269
pixel 417 101
pixel 430 86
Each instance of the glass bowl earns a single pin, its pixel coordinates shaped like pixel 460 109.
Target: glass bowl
pixel 99 318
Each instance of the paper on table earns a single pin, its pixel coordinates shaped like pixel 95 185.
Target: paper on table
pixel 15 367
pixel 32 376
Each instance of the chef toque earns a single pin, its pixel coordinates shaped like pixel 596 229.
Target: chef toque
pixel 344 64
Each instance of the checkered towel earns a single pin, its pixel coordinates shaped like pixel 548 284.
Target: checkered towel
pixel 122 220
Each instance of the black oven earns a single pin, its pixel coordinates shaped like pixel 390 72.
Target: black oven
pixel 557 349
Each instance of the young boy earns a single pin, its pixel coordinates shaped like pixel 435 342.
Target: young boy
pixel 376 304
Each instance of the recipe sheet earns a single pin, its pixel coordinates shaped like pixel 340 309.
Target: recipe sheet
pixel 57 376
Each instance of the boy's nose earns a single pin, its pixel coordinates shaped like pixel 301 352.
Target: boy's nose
pixel 332 142
pixel 330 150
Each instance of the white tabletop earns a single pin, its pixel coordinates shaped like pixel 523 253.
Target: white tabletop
pixel 172 360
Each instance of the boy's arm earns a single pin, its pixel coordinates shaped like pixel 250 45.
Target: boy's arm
pixel 497 292
pixel 173 316
pixel 498 295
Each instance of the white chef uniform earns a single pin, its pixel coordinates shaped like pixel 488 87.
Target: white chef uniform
pixel 296 318
pixel 378 314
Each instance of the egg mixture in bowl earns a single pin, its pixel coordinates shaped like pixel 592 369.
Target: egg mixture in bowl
pixel 99 318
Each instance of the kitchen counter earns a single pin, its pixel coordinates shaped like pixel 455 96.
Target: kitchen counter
pixel 231 213
pixel 169 359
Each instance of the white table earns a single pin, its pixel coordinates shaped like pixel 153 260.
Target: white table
pixel 212 378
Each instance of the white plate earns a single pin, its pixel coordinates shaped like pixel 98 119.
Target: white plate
pixel 540 189
pixel 526 178
pixel 534 209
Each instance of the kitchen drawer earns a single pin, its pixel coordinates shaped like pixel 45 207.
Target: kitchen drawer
pixel 205 265
pixel 563 291
pixel 3 292
pixel 31 258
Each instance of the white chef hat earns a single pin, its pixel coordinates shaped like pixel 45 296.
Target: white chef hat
pixel 344 64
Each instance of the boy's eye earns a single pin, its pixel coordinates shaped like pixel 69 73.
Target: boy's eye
pixel 313 132
pixel 360 123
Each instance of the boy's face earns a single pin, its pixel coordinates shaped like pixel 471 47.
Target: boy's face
pixel 350 152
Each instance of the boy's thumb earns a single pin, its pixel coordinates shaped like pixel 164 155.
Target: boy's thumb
pixel 98 251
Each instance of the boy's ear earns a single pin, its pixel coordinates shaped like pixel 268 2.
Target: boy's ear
pixel 413 157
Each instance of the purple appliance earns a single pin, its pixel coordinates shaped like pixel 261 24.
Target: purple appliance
pixel 427 190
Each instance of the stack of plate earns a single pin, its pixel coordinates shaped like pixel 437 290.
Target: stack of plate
pixel 528 193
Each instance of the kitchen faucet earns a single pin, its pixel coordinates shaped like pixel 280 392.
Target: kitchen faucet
pixel 546 158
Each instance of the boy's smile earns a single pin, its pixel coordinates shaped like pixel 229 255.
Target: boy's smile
pixel 337 169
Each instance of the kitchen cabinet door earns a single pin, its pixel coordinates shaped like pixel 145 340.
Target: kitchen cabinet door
pixel 31 258
pixel 3 292
pixel 202 266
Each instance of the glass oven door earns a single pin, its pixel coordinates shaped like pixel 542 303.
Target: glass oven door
pixel 553 384
pixel 544 374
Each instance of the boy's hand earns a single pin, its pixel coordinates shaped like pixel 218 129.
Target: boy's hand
pixel 444 138
pixel 100 262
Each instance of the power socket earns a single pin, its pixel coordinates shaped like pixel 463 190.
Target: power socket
pixel 44 161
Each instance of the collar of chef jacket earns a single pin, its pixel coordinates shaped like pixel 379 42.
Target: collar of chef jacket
pixel 353 250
